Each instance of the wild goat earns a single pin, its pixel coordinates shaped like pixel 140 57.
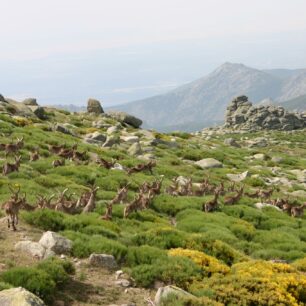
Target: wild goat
pixel 34 156
pixel 145 199
pixel 133 206
pixel 253 195
pixel 65 205
pixel 121 195
pixel 66 153
pixel 58 162
pixel 230 200
pixel 91 204
pixel 44 202
pixel 213 204
pixel 142 167
pixel 13 147
pixel 12 207
pixel 104 163
pixel 298 211
pixel 265 194
pixel 79 156
pixel 8 167
pixel 56 149
pixel 109 212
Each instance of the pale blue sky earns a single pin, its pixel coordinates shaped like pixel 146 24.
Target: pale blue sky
pixel 119 50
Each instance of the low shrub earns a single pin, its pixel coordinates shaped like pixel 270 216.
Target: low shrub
pixel 170 270
pixel 46 219
pixel 42 279
pixel 144 255
pixel 84 245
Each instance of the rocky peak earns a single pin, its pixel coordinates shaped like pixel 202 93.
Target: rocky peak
pixel 242 115
pixel 94 106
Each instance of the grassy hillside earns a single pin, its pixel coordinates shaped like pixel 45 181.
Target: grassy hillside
pixel 222 258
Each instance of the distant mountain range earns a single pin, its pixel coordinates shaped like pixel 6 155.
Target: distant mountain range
pixel 203 102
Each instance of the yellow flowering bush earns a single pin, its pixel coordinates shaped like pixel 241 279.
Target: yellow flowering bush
pixel 300 264
pixel 256 283
pixel 208 264
pixel 21 121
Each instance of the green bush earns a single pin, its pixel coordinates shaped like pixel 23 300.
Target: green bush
pixel 180 271
pixel 144 255
pixel 4 286
pixel 45 219
pixel 35 280
pixel 42 279
pixel 84 245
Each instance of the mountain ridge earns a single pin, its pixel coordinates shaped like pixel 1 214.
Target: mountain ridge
pixel 204 100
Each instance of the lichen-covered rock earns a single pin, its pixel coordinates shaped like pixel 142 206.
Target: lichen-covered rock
pixel 163 292
pixel 231 142
pixel 110 141
pixel 30 101
pixel 103 260
pixel 19 297
pixel 62 129
pixel 95 137
pixel 56 243
pixel 208 163
pixel 242 115
pixel 135 149
pixel 94 106
pixel 38 111
pixel 126 118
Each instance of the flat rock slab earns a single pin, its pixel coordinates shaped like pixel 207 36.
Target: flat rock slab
pixel 103 260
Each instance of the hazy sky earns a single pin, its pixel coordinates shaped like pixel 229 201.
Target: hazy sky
pixel 118 50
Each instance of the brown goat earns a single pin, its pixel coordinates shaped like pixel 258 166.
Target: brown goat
pixel 230 200
pixel 213 204
pixel 298 211
pixel 8 167
pixel 34 156
pixel 91 204
pixel 121 196
pixel 13 147
pixel 58 162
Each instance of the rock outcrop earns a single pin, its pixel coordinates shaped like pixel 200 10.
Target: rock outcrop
pixel 242 115
pixel 94 106
pixel 19 297
pixel 30 101
pixel 2 99
pixel 55 243
pixel 126 118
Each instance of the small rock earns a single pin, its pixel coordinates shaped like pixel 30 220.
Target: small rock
pixel 117 166
pixel 259 156
pixel 130 139
pixel 110 141
pixel 60 128
pixel 231 142
pixel 135 149
pixel 56 243
pixel 103 261
pixel 208 163
pixel 118 274
pixel 123 283
pixel 238 177
pixel 163 292
pixel 95 137
pixel 113 129
pixel 259 142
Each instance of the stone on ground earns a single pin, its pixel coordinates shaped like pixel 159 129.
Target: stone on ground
pixel 56 243
pixel 103 261
pixel 19 297
pixel 208 163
